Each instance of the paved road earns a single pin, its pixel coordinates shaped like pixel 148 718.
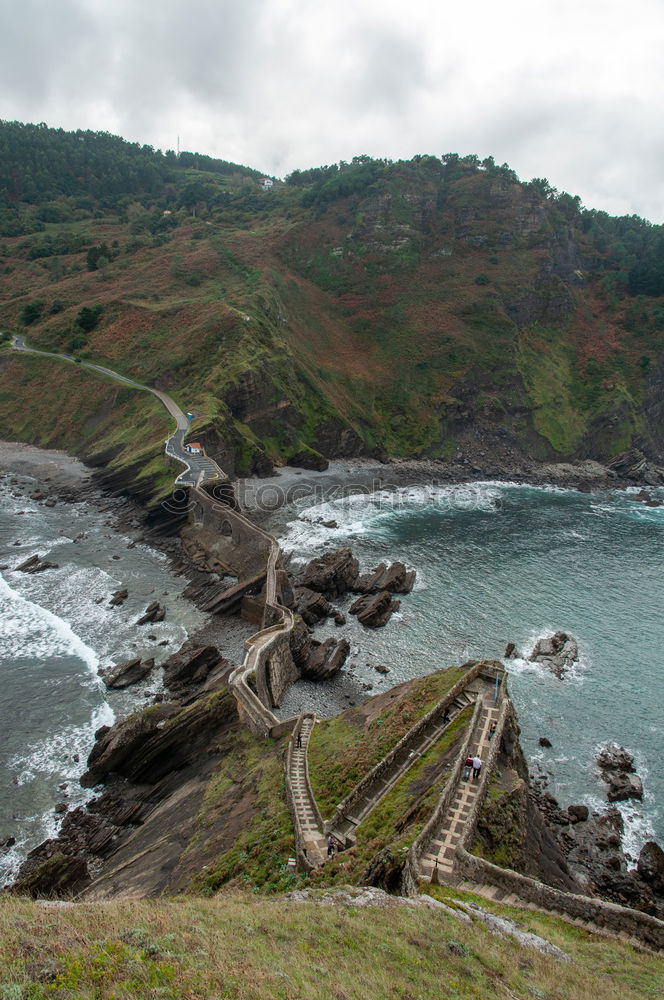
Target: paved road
pixel 200 468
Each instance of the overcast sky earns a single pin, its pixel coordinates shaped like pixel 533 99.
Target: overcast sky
pixel 570 90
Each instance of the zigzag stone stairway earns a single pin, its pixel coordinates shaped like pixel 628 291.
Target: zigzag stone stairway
pixel 343 829
pixel 438 864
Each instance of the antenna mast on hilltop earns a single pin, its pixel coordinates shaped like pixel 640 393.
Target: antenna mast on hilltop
pixel 178 147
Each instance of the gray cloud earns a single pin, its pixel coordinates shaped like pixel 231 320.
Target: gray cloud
pixel 569 91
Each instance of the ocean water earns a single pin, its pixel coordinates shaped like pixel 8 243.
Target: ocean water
pixel 500 562
pixel 56 630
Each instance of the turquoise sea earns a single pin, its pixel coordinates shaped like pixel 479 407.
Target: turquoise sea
pixel 500 562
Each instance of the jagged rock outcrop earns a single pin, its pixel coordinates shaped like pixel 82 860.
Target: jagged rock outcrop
pixel 311 605
pixel 309 459
pixel 153 613
pixel 633 464
pixel 118 598
pixel 395 578
pixel 192 667
pixel 617 770
pixel 336 573
pixel 374 610
pixel 332 574
pixel 650 866
pixel 557 652
pixel 123 675
pixel 157 740
pixel 326 659
pixel 300 644
pixel 54 874
pixel 36 565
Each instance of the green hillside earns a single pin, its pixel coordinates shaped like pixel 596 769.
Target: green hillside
pixel 411 308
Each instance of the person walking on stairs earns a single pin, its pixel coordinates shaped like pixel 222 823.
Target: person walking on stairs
pixel 467 767
pixel 298 741
pixel 477 767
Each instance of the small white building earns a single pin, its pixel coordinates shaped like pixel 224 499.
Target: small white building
pixel 194 448
pixel 266 183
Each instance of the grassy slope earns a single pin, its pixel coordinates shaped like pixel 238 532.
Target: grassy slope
pixel 367 309
pixel 367 733
pixel 240 948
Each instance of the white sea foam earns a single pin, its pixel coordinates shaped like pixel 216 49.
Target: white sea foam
pixel 27 628
pixel 370 513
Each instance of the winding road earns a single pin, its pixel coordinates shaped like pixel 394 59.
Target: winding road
pixel 200 468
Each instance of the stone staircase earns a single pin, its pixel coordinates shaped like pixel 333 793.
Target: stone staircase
pixel 438 862
pixel 343 827
pixel 308 824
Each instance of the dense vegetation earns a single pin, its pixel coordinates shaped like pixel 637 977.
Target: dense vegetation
pixel 424 307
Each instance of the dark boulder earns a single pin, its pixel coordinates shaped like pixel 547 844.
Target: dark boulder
pixel 118 598
pixel 510 651
pixel 395 578
pixel 544 742
pixel 332 574
pixel 650 866
pixel 125 674
pixel 557 652
pixel 51 876
pixel 374 611
pixel 191 667
pixel 326 659
pixel 311 605
pixel 578 813
pixel 153 613
pixel 309 459
pixel 623 786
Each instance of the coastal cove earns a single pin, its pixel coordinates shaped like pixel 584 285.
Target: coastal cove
pixel 58 629
pixel 501 562
pixel 310 529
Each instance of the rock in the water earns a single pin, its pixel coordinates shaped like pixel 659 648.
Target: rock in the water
pixel 153 613
pixel 36 565
pixel 558 652
pixel 612 757
pixel 578 813
pixel 333 573
pixel 510 651
pixel 623 786
pixel 326 659
pixel 125 674
pixel 374 611
pixel 617 769
pixel 395 578
pixel 311 605
pixel 118 598
pixel 544 741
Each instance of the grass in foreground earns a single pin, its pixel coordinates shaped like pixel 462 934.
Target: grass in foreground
pixel 248 949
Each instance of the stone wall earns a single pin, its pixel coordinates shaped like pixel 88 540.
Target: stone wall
pixel 608 916
pixel 240 546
